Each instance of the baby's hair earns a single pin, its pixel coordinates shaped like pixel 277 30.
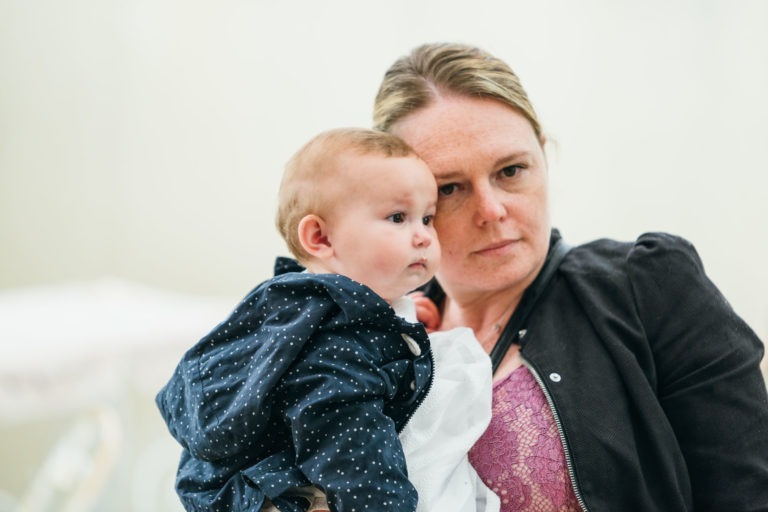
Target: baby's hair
pixel 308 178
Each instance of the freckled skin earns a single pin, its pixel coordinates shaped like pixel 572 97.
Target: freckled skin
pixel 493 216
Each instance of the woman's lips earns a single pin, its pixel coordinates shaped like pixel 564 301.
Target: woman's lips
pixel 496 247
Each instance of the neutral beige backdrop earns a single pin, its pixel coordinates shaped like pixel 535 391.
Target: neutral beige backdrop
pixel 141 144
pixel 144 139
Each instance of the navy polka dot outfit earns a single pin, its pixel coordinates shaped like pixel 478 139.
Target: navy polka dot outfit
pixel 308 382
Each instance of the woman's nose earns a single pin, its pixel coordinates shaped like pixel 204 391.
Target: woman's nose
pixel 489 206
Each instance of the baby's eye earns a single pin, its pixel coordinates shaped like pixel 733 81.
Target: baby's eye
pixel 427 220
pixel 397 218
pixel 447 189
pixel 510 170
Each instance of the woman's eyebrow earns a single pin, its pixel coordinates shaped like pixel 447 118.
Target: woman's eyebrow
pixel 511 157
pixel 450 175
pixel 500 162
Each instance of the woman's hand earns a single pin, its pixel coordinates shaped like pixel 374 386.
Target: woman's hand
pixel 426 311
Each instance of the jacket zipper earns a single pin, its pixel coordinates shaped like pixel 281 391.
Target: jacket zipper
pixel 561 433
pixel 426 392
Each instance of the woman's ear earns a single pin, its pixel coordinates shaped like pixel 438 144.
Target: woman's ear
pixel 313 237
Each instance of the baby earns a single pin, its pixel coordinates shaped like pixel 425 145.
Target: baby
pixel 321 391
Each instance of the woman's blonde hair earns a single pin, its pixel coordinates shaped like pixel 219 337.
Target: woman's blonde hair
pixel 415 79
pixel 311 184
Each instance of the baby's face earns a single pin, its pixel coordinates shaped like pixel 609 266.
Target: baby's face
pixel 382 230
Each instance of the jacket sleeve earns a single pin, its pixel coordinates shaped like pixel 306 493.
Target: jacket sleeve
pixel 344 442
pixel 709 380
pixel 222 389
pixel 218 404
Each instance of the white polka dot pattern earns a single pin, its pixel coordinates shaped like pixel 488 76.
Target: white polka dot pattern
pixel 308 381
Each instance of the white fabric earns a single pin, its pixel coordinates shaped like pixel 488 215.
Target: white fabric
pixel 453 416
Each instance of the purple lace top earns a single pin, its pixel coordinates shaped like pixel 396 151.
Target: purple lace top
pixel 520 456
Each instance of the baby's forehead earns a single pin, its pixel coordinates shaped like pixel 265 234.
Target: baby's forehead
pixel 383 178
pixel 384 164
pixel 351 153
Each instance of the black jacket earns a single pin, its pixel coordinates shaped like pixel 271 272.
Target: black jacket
pixel 654 379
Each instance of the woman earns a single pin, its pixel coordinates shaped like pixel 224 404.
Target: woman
pixel 631 385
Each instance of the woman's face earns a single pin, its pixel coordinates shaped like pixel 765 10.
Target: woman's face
pixel 492 213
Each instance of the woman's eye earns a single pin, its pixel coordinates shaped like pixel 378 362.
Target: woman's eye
pixel 447 189
pixel 427 220
pixel 397 218
pixel 510 170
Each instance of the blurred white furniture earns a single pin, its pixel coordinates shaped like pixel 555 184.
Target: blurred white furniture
pixel 81 364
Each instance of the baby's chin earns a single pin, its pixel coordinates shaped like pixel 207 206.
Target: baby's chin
pixel 407 283
pixel 423 280
pixel 418 283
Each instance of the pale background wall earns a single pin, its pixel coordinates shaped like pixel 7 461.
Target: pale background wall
pixel 143 140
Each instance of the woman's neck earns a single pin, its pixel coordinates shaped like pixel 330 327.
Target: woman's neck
pixel 486 314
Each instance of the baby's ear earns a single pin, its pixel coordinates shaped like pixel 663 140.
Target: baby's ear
pixel 314 237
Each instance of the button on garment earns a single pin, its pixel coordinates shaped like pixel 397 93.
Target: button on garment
pixel 412 345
